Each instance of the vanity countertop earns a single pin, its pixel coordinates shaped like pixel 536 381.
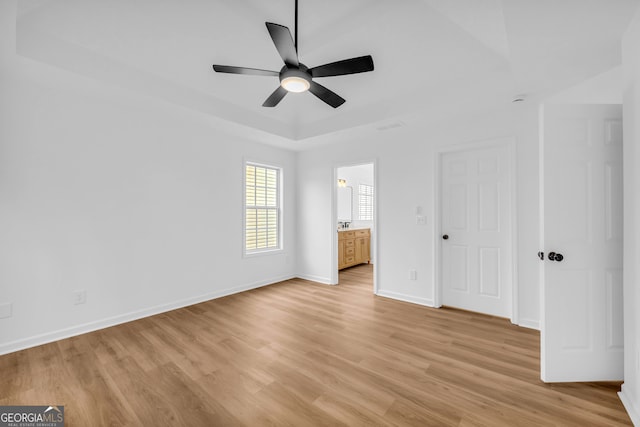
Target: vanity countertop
pixel 353 228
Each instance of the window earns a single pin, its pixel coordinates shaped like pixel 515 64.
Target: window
pixel 365 202
pixel 262 208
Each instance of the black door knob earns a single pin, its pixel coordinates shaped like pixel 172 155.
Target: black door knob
pixel 553 256
pixel 445 237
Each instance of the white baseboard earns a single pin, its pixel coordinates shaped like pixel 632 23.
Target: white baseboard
pixel 406 298
pixel 313 278
pixel 48 337
pixel 632 410
pixel 528 323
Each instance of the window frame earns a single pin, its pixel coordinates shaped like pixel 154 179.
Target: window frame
pixel 279 210
pixel 368 195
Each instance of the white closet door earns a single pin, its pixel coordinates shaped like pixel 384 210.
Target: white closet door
pixel 476 232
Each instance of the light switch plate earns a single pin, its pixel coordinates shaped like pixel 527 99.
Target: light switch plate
pixel 6 310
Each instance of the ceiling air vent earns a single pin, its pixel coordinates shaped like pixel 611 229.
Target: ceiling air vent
pixel 390 126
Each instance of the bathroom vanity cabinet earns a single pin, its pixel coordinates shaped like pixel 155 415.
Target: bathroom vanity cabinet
pixel 354 247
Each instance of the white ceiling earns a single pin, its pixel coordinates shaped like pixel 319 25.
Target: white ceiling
pixel 429 55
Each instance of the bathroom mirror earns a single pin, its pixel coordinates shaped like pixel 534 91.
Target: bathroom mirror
pixel 345 204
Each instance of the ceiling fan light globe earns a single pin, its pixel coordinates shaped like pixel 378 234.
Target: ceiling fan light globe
pixel 295 84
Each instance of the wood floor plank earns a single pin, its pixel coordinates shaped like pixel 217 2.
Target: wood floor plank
pixel 300 353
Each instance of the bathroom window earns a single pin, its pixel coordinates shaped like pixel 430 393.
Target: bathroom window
pixel 262 214
pixel 365 202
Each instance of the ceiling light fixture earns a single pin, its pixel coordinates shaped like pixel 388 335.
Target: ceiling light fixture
pixel 295 84
pixel 295 80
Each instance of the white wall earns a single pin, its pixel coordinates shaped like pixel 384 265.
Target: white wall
pixel 630 393
pixel 605 88
pixel 405 179
pixel 134 200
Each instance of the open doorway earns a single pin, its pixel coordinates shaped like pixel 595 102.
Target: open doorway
pixel 355 225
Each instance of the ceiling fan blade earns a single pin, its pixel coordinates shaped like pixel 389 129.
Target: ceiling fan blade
pixel 275 98
pixel 326 95
pixel 281 37
pixel 361 64
pixel 244 70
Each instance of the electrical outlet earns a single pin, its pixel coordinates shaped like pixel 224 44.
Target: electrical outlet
pixel 6 310
pixel 79 296
pixel 421 220
pixel 413 275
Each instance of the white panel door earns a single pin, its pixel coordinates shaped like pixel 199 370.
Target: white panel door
pixel 476 232
pixel 582 336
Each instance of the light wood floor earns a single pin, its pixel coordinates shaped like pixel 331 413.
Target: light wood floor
pixel 304 354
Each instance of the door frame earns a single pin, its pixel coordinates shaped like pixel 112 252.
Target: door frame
pixel 510 144
pixel 334 219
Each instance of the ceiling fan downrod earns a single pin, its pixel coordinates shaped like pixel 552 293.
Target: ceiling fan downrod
pixel 295 29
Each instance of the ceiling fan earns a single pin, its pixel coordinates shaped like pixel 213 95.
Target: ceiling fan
pixel 297 77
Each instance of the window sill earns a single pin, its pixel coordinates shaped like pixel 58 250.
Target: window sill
pixel 265 252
